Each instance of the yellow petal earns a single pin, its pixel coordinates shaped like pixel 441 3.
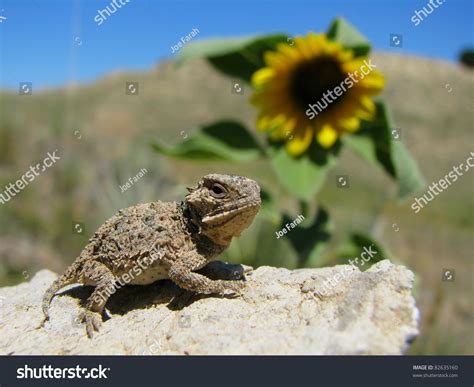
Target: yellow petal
pixel 263 123
pixel 368 105
pixel 332 48
pixel 316 42
pixel 326 136
pixel 289 126
pixel 345 56
pixel 353 66
pixel 262 76
pixel 300 141
pixel 289 51
pixel 373 83
pixel 364 115
pixel 274 59
pixel 283 130
pixel 303 46
pixel 278 135
pixel 266 123
pixel 351 124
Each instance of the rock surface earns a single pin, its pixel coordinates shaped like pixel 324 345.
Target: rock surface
pixel 281 312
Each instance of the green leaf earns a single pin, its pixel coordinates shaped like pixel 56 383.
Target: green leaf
pixel 354 247
pixel 303 176
pixel 376 143
pixel 410 180
pixel 310 237
pixel 221 141
pixel 235 57
pixel 343 32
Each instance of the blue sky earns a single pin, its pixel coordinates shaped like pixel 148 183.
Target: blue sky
pixel 54 42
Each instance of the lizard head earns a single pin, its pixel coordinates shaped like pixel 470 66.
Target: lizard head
pixel 222 206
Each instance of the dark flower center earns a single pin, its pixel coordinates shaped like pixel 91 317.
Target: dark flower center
pixel 312 79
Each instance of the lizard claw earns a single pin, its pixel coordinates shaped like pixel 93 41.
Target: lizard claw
pixel 92 320
pixel 233 288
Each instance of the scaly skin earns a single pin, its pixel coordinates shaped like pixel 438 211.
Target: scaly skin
pixel 148 242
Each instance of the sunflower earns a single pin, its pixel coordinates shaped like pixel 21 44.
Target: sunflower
pixel 292 92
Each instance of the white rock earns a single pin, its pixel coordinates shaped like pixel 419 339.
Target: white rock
pixel 281 312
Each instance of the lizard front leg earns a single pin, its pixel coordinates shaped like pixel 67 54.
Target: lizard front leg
pixel 181 273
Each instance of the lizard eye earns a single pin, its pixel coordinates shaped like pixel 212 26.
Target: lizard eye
pixel 218 191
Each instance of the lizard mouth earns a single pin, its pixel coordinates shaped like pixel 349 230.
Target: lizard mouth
pixel 229 211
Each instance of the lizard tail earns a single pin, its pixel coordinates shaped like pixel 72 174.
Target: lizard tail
pixel 68 277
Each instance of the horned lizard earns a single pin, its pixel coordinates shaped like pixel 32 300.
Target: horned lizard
pixel 148 242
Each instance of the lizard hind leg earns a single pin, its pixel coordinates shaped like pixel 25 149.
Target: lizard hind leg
pixel 67 278
pixel 100 276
